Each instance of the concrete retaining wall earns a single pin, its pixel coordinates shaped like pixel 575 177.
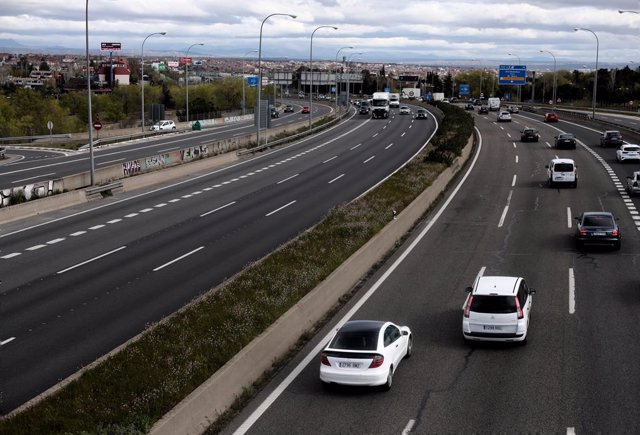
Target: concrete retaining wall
pixel 215 396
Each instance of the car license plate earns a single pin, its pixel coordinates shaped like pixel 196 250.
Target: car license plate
pixel 492 328
pixel 349 365
pixel 599 234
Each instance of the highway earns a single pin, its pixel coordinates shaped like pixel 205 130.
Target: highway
pixel 32 166
pixel 578 372
pixel 79 282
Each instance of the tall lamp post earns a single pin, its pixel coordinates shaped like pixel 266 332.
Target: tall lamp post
pixel 186 74
pixel 260 73
pixel 519 63
pixel 555 79
pixel 89 94
pixel 244 57
pixel 595 79
pixel 142 72
pixel 342 48
pixel 311 69
pixel 481 75
pixel 348 60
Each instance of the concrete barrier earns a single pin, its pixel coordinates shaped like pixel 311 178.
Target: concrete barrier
pixel 194 414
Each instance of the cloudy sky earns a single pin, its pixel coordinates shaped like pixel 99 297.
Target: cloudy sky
pixel 383 30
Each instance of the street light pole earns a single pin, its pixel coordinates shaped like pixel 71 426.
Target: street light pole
pixel 89 94
pixel 481 75
pixel 260 74
pixel 186 74
pixel 311 69
pixel 343 48
pixel 142 72
pixel 595 79
pixel 555 81
pixel 519 63
pixel 244 59
pixel 348 84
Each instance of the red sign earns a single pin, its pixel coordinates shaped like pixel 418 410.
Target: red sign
pixel 97 125
pixel 185 60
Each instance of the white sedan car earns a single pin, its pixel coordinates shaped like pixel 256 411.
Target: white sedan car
pixel 366 353
pixel 404 110
pixel 504 116
pixel 628 152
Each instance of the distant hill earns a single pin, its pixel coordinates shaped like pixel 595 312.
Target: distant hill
pixel 9 43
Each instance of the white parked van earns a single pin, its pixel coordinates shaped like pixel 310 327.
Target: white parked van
pixel 562 171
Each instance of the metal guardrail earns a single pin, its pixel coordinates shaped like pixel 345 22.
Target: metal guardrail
pixel 585 116
pixel 34 138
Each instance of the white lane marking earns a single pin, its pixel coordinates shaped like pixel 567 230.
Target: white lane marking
pixel 8 256
pixel 261 409
pixel 514 145
pixel 572 292
pixel 54 241
pixel 506 209
pixel 569 218
pixel 353 148
pixel 388 146
pixel 513 183
pixel 109 161
pixel 114 221
pixel 287 179
pixel 36 247
pixel 189 196
pixel 163 204
pixel 7 341
pixel 403 133
pixel 337 178
pixel 178 259
pixel 91 260
pixel 548 144
pixel 375 135
pixel 328 160
pixel 408 427
pixel 31 178
pixel 571 431
pixel 198 192
pixel 369 159
pixel 516 159
pixel 77 233
pixel 130 215
pixel 217 209
pixel 97 227
pixel 169 149
pixel 174 200
pixel 279 209
pixel 146 210
pixel 501 128
pixel 509 135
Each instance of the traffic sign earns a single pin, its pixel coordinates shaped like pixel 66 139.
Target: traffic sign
pixel 464 89
pixel 50 125
pixel 252 80
pixel 512 75
pixel 97 124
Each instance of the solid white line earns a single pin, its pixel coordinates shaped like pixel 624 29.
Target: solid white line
pixel 403 133
pixel 514 145
pixel 513 183
pixel 569 219
pixel 287 179
pixel 91 260
pixel 8 340
pixel 548 144
pixel 337 178
pixel 97 227
pixel 408 427
pixel 114 221
pixel 506 209
pixel 169 149
pixel 369 159
pixel 130 215
pixel 110 161
pixel 31 178
pixel 8 256
pixel 217 209
pixel 277 210
pixel 572 292
pixel 328 160
pixel 509 135
pixel 178 259
pixel 54 241
pixel 353 148
pixel 261 409
pixel 516 159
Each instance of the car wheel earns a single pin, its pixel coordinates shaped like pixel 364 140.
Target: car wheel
pixel 387 385
pixel 617 246
pixel 575 184
pixel 409 347
pixel 549 182
pixel 579 245
pixel 523 342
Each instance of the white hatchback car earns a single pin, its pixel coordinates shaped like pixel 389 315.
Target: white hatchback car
pixel 164 125
pixel 628 152
pixel 404 110
pixel 365 352
pixel 504 116
pixel 498 308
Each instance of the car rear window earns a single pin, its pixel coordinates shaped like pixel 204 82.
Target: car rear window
pixel 563 167
pixel 493 304
pixel 597 221
pixel 355 340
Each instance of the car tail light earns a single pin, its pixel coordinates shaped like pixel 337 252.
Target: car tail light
pixel 615 233
pixel 377 361
pixel 468 307
pixel 324 360
pixel 520 313
pixel 582 232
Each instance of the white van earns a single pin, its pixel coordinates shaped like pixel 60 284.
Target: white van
pixel 494 104
pixel 562 171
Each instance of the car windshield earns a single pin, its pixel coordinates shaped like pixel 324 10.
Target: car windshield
pixel 597 221
pixel 355 340
pixel 563 167
pixel 565 136
pixel 493 304
pixel 380 103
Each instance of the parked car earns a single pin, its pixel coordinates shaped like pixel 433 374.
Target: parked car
pixel 633 183
pixel 551 117
pixel 512 108
pixel 498 308
pixel 628 152
pixel 305 109
pixel 164 125
pixel 565 140
pixel 504 116
pixel 404 110
pixel 365 352
pixel 288 108
pixel 611 138
pixel 597 228
pixel 529 134
pixel 563 171
pixel 483 109
pixel 421 114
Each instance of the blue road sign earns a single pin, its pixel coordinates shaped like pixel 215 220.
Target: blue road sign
pixel 512 75
pixel 464 89
pixel 252 80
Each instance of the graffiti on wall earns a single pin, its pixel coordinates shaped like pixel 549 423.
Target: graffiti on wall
pixel 30 191
pixel 131 167
pixel 157 161
pixel 194 152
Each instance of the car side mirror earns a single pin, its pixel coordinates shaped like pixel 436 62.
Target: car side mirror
pixel 555 137
pixel 469 289
pixel 577 218
pixel 405 332
pixel 546 166
pixel 532 291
